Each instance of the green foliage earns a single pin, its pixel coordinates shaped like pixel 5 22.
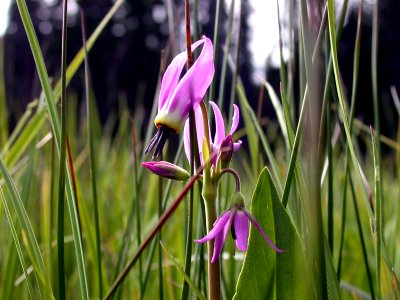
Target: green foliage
pixel 116 198
pixel 267 274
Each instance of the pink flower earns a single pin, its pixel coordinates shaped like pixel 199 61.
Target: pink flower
pixel 167 170
pixel 237 220
pixel 220 137
pixel 179 95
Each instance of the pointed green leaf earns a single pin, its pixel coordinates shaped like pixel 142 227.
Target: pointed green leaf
pixel 267 274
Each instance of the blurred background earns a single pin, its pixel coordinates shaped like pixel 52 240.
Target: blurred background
pixel 125 61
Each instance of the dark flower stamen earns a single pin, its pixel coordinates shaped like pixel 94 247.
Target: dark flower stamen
pixel 158 141
pixel 153 141
pixel 233 233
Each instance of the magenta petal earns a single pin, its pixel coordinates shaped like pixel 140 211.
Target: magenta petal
pixel 218 226
pixel 199 131
pixel 221 237
pixel 235 119
pixel 186 140
pixel 198 114
pixel 219 125
pixel 172 75
pixel 241 225
pixel 236 145
pixel 254 222
pixel 194 84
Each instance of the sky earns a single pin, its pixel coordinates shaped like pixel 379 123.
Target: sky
pixel 4 5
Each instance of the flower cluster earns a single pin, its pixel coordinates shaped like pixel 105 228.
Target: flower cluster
pixel 177 97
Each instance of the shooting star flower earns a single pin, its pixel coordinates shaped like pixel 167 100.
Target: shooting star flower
pixel 221 140
pixel 237 220
pixel 179 95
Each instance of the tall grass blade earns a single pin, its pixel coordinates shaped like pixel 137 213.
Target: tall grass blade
pixel 362 239
pixel 25 224
pixel 55 122
pixel 92 161
pixel 178 266
pixel 343 109
pixel 252 127
pixel 378 214
pixel 227 46
pixel 17 245
pixel 31 129
pixel 3 100
pixel 62 168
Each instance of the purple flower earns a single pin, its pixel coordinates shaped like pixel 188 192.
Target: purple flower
pixel 237 220
pixel 179 95
pixel 220 138
pixel 166 169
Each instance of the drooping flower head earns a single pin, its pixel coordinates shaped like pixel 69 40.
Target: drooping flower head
pixel 178 95
pixel 237 220
pixel 221 141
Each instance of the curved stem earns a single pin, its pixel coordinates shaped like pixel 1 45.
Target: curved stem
pixel 235 175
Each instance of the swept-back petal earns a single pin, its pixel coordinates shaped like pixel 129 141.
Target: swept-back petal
pixel 254 222
pixel 218 244
pixel 172 75
pixel 241 225
pixel 219 125
pixel 236 145
pixel 194 84
pixel 218 227
pixel 199 131
pixel 221 237
pixel 235 119
pixel 186 140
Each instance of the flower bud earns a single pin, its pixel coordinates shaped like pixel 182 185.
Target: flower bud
pixel 226 151
pixel 167 170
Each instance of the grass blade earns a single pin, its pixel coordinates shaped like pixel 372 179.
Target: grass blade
pixel 92 162
pixel 343 109
pixel 17 245
pixel 178 266
pixel 62 169
pixel 252 126
pixel 14 151
pixel 55 122
pixel 25 224
pixel 3 102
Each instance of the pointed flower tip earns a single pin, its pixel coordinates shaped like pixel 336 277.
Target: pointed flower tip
pixel 259 228
pixel 226 149
pixel 167 170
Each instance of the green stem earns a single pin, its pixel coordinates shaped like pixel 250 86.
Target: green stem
pixel 193 142
pixel 92 163
pixel 160 211
pixel 61 187
pixel 214 274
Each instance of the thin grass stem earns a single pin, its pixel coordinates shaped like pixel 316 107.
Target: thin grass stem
pixel 61 183
pixel 92 162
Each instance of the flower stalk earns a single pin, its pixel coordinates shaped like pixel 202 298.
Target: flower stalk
pixel 214 274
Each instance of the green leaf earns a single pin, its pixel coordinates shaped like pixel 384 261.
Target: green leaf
pixel 267 274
